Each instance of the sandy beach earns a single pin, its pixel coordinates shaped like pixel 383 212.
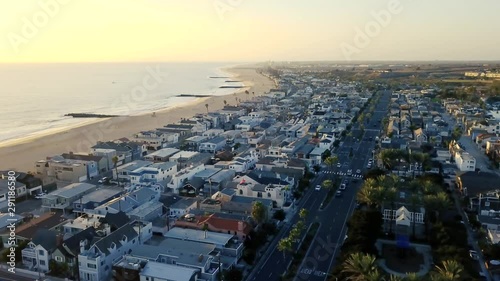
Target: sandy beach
pixel 21 155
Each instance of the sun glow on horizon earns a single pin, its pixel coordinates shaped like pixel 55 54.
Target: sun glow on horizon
pixel 257 30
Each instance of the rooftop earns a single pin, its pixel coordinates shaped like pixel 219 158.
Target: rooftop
pixel 72 190
pixel 99 195
pixel 174 273
pixel 199 236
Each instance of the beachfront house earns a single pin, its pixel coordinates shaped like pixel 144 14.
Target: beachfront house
pixel 102 162
pixel 155 140
pixel 32 183
pixel 126 151
pixel 59 169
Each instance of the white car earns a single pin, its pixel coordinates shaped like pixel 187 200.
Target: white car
pixel 342 186
pixel 318 187
pixel 349 172
pixel 339 165
pixel 358 171
pixel 473 255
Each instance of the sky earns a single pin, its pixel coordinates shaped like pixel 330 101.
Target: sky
pixel 38 31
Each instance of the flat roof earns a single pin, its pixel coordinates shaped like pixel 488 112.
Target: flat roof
pixel 134 165
pixel 161 270
pixel 164 152
pixel 199 236
pixel 205 174
pixel 184 154
pixel 99 195
pixel 72 190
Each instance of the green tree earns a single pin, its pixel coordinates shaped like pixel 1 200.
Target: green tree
pixel 285 245
pixel 233 274
pixel 303 213
pixel 258 212
pixel 449 270
pixel 327 184
pixel 279 215
pixel 361 267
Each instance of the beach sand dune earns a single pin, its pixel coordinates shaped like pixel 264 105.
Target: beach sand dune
pixel 22 155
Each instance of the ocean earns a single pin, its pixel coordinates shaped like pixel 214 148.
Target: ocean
pixel 35 97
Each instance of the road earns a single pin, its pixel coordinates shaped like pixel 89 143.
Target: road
pixel 333 217
pixel 331 234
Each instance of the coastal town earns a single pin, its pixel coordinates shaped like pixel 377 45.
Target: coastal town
pixel 339 171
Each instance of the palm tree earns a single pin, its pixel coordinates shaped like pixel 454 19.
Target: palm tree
pixel 331 162
pixel 115 161
pixel 327 184
pixel 303 213
pixel 395 278
pixel 449 271
pixel 361 267
pixel 225 102
pixel 247 93
pixel 206 105
pixel 412 277
pixel 285 245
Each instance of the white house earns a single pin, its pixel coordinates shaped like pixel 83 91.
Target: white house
pixel 255 190
pixel 183 175
pixel 212 145
pixel 95 263
pixel 37 254
pixel 156 173
pixel 465 161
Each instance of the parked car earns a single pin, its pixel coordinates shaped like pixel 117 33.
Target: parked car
pixel 473 255
pixel 342 186
pixel 318 187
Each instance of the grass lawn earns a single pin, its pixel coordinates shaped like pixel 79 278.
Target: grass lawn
pixel 402 261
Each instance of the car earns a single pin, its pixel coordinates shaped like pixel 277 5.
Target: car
pixel 349 172
pixel 318 187
pixel 339 165
pixel 358 171
pixel 473 255
pixel 342 186
pixel 338 193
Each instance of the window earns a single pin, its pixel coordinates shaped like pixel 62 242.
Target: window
pixel 91 265
pixel 41 253
pixel 42 262
pixel 58 259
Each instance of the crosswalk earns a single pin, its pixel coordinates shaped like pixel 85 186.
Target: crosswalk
pixel 340 173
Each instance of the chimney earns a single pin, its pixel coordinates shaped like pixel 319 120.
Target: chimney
pixel 107 229
pixel 59 239
pixel 82 246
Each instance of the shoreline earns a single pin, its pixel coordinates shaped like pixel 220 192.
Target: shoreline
pixel 21 154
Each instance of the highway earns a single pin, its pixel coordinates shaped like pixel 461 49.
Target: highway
pixel 332 219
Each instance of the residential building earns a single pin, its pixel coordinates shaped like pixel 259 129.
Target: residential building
pixel 182 176
pixel 95 198
pixel 59 169
pixel 212 145
pixel 63 198
pixel 95 263
pixel 162 155
pixel 6 194
pixel 38 253
pixel 465 161
pixel 158 173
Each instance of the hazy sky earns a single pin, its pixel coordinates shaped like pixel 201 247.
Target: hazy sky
pixel 248 30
